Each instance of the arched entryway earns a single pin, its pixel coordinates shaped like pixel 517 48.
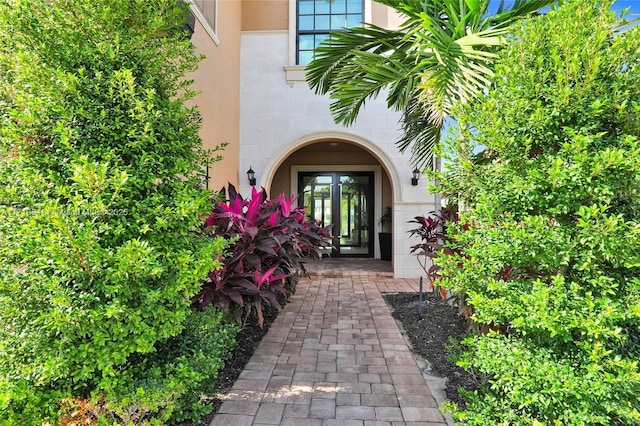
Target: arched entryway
pixel 341 182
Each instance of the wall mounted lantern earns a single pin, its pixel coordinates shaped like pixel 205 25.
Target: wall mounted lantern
pixel 251 175
pixel 416 176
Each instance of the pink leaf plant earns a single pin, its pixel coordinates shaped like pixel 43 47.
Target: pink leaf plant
pixel 268 240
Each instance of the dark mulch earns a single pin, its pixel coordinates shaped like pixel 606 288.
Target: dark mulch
pixel 248 340
pixel 430 336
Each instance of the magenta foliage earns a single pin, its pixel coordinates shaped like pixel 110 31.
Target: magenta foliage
pixel 268 238
pixel 432 232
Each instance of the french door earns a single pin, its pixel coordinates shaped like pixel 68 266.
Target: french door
pixel 344 200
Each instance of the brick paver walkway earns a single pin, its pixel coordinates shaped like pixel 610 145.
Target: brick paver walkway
pixel 333 357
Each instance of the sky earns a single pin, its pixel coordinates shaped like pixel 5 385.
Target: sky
pixel 619 5
pixel 635 5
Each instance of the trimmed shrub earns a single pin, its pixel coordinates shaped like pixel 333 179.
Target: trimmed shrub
pixel 268 239
pixel 175 382
pixel 99 198
pixel 551 237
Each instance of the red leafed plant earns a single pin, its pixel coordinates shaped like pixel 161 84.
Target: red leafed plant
pixel 268 239
pixel 432 232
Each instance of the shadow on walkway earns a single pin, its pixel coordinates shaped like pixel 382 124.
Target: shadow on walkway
pixel 334 357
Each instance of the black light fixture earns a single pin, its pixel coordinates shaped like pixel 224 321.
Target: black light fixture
pixel 416 176
pixel 252 176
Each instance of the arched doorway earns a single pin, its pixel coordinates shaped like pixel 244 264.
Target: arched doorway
pixel 340 183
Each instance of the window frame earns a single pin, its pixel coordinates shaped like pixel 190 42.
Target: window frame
pixel 210 27
pixel 314 32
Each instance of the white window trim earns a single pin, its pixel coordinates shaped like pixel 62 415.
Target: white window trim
pixel 295 73
pixel 205 22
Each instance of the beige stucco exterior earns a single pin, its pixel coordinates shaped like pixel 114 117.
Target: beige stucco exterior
pixel 383 16
pixel 218 78
pixel 268 15
pixel 265 15
pixel 254 97
pixel 218 82
pixel 326 154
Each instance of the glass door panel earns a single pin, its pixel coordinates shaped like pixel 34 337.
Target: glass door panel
pixel 354 214
pixel 318 198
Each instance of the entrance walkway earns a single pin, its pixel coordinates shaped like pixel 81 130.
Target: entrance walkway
pixel 334 357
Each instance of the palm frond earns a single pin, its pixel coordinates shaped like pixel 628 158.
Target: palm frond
pixel 364 78
pixel 442 54
pixel 343 46
pixel 519 9
pixel 420 134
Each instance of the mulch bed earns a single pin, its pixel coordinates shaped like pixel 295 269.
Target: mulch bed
pixel 430 336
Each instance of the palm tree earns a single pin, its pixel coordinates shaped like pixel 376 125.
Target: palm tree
pixel 442 54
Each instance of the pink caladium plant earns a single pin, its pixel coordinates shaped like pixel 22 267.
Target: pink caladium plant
pixel 268 239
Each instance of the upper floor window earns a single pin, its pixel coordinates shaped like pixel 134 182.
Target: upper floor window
pixel 316 18
pixel 207 13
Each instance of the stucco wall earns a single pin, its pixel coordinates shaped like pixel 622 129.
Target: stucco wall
pixel 262 15
pixel 218 82
pixel 321 155
pixel 384 16
pixel 275 116
pixel 259 15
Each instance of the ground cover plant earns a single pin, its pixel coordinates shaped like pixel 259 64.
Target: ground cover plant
pixel 268 239
pixel 99 204
pixel 549 242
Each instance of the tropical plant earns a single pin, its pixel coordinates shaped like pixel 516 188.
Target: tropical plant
pixel 386 219
pixel 436 242
pixel 432 232
pixel 268 239
pixel 552 246
pixel 99 196
pixel 443 53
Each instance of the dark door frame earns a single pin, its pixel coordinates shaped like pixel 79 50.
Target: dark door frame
pixel 335 207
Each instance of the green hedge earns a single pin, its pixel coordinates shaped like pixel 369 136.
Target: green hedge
pixel 175 382
pixel 99 200
pixel 551 235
